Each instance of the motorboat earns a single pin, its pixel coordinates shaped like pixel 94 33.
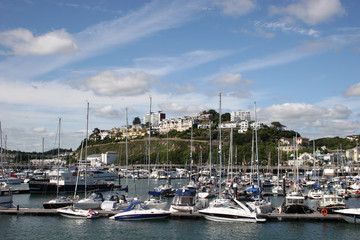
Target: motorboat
pixel 277 190
pixel 350 215
pixel 328 203
pixel 66 182
pixel 138 211
pixel 294 202
pixel 6 198
pixel 78 213
pixel 186 200
pixel 260 205
pixel 92 202
pixel 116 201
pixel 235 212
pixel 315 193
pixel 58 202
pixel 155 201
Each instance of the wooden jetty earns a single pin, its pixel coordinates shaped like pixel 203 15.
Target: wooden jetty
pixel 274 216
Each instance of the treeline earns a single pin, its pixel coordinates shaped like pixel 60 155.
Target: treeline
pixel 174 147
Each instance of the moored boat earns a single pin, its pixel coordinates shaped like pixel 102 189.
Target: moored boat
pixel 351 215
pixel 235 212
pixel 138 211
pixel 78 213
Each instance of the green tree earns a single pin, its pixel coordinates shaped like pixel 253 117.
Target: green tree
pixel 136 121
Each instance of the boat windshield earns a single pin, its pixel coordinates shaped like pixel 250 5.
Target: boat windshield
pixel 184 200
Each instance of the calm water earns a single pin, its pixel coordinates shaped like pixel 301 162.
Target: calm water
pixel 58 227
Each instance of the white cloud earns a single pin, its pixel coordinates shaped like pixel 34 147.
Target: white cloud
pixel 236 7
pixel 311 11
pixel 160 66
pixel 181 109
pixel 23 42
pixel 315 121
pixel 230 80
pixel 106 112
pixel 287 28
pixel 301 112
pixel 110 83
pixel 334 128
pixel 39 129
pixel 353 91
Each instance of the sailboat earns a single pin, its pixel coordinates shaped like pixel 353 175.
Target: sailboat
pixel 75 211
pixel 6 198
pixel 259 203
pixel 59 201
pixel 228 210
pixel 154 200
pixel 294 201
pixel 94 200
pixel 278 189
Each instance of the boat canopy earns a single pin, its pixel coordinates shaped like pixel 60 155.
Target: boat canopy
pixel 186 192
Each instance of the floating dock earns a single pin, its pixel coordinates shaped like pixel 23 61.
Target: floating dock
pixel 274 216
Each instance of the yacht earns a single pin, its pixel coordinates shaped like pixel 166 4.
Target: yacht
pixel 138 211
pixel 66 182
pixel 186 200
pixel 92 202
pixel 235 212
pixel 78 213
pixel 59 202
pixel 294 202
pixel 351 215
pixel 328 203
pixel 6 199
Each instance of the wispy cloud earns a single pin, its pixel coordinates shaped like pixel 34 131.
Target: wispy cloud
pixel 284 27
pixel 236 7
pixel 110 83
pixel 98 39
pixel 162 65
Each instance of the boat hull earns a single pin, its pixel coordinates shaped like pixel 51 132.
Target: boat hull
pixel 133 217
pixel 46 187
pixel 231 218
pixel 56 205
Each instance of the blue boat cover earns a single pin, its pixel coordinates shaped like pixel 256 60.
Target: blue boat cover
pixel 154 193
pixel 131 206
pixel 187 192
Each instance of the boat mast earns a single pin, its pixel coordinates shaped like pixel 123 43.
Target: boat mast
pixel 220 153
pixel 1 153
pixel 86 145
pixel 58 158
pixel 126 148
pixel 149 147
pixel 256 149
pixel 210 153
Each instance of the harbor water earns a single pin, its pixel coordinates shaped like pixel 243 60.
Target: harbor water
pixel 58 227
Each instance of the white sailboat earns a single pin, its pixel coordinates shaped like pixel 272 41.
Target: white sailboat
pixel 94 200
pixel 154 200
pixel 75 210
pixel 278 189
pixel 6 199
pixel 59 201
pixel 259 203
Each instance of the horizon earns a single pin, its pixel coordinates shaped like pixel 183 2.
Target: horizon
pixel 299 60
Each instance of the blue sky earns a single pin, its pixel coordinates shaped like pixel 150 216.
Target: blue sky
pixel 299 60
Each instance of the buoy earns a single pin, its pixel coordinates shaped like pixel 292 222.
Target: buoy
pixel 324 212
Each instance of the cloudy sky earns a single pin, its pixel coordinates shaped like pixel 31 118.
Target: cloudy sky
pixel 299 60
